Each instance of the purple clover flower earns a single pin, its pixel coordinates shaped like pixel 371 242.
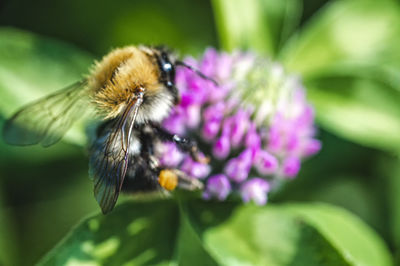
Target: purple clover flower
pixel 218 186
pixel 238 169
pixel 174 155
pixel 257 124
pixel 256 190
pixel 265 163
pixel 195 169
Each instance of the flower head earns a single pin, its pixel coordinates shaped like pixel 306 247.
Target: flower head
pixel 255 190
pixel 256 124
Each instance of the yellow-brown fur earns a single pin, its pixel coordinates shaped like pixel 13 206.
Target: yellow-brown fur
pixel 119 74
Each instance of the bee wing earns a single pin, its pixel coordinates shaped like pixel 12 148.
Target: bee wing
pixel 48 119
pixel 109 162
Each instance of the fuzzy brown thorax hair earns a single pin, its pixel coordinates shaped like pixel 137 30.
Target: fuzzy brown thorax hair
pixel 118 75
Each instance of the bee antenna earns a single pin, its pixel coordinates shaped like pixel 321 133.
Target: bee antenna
pixel 181 63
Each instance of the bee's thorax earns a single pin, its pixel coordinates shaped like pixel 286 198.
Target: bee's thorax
pixel 155 107
pixel 117 78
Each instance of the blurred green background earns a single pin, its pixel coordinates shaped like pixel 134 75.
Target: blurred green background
pixel 348 53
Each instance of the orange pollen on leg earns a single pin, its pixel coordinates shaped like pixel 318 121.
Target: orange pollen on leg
pixel 168 179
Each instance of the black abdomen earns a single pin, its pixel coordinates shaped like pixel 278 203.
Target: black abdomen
pixel 139 176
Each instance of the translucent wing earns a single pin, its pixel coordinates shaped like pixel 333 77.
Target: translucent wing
pixel 48 119
pixel 110 155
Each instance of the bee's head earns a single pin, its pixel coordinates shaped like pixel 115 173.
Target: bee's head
pixel 167 71
pixel 167 62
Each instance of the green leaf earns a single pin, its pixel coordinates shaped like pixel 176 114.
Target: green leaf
pixel 242 24
pixel 209 233
pixel 389 168
pixel 349 57
pixel 7 239
pixel 394 203
pixel 133 234
pixel 357 109
pixel 185 26
pixel 262 26
pixel 282 17
pixel 32 66
pixel 359 32
pixel 299 234
pixel 352 238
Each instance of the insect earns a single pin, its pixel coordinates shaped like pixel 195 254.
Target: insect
pixel 131 90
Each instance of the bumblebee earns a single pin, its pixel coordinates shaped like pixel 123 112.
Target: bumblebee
pixel 131 90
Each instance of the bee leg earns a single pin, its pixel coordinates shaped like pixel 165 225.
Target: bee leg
pixel 169 179
pixel 172 178
pixel 184 144
pixel 191 147
pixel 187 182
